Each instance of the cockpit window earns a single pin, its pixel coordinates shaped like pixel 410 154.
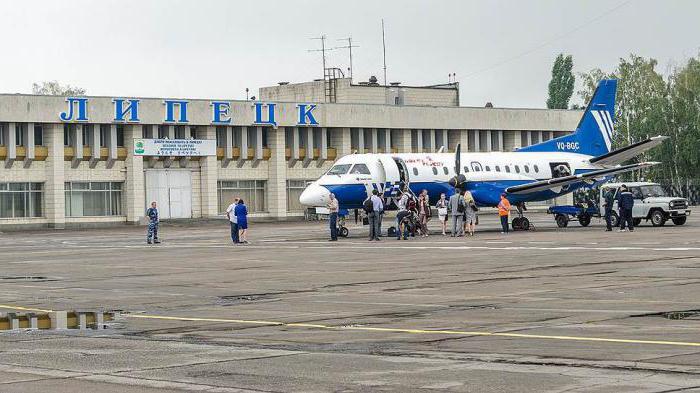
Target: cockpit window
pixel 360 169
pixel 339 169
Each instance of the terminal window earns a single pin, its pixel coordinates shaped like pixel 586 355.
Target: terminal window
pixel 294 190
pixel 38 135
pixel 87 199
pixel 21 200
pixel 120 136
pixel 251 191
pixel 104 134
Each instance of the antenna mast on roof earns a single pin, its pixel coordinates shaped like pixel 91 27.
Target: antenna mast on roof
pixel 323 50
pixel 349 47
pixel 384 51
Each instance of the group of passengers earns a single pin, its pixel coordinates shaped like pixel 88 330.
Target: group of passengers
pixel 414 212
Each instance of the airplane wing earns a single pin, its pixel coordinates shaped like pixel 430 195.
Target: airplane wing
pixel 621 155
pixel 556 182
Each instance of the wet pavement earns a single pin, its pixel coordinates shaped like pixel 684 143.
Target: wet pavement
pixel 556 310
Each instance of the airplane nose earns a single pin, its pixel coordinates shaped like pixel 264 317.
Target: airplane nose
pixel 314 195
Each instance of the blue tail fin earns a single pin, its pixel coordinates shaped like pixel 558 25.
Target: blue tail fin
pixel 595 132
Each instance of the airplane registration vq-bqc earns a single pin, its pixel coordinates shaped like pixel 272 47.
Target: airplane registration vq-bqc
pixel 534 173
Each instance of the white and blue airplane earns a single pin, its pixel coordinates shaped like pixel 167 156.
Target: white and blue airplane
pixel 534 173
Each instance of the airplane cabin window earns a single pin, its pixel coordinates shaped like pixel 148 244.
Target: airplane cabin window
pixel 360 169
pixel 527 169
pixel 517 169
pixel 498 168
pixel 447 171
pixel 466 169
pixel 507 169
pixel 536 168
pixel 415 171
pixel 488 168
pixel 477 169
pixel 434 171
pixel 339 169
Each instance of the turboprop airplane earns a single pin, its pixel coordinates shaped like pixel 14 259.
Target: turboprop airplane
pixel 534 173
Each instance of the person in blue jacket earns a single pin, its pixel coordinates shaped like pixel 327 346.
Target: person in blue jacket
pixel 241 212
pixel 153 223
pixel 625 203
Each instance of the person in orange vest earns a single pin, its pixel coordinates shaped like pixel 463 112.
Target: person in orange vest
pixel 504 212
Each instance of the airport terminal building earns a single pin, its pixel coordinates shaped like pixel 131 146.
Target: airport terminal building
pixel 72 161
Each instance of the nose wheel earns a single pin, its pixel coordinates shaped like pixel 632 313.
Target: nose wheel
pixel 342 229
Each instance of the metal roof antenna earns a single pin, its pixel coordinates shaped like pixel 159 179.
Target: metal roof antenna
pixel 349 46
pixel 384 50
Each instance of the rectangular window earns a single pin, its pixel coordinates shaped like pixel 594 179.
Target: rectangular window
pixel 120 136
pixel 495 140
pixel 354 139
pixel 294 190
pixel 85 199
pixel 193 133
pixel 252 133
pixel 67 135
pixel 21 200
pixel 288 137
pixel 264 137
pixel 162 132
pixel 19 134
pixel 179 132
pixel 252 192
pixel 87 134
pixel 220 136
pixel 2 135
pixel 38 135
pixel 104 134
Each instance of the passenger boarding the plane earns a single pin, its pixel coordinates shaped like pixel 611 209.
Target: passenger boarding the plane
pixel 441 207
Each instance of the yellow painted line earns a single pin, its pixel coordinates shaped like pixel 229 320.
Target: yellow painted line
pixel 10 307
pixel 390 330
pixel 420 331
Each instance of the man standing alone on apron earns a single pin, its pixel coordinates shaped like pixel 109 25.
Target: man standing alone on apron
pixel 333 217
pixel 153 222
pixel 504 213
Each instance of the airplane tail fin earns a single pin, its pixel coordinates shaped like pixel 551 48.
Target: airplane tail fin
pixel 595 132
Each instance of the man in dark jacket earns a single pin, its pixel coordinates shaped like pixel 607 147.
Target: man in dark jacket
pixel 609 201
pixel 625 202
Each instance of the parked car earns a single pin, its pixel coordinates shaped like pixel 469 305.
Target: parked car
pixel 650 203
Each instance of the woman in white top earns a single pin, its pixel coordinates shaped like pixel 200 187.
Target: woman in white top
pixel 441 207
pixel 470 213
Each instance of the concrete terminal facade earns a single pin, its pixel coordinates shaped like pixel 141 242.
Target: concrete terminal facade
pixel 71 161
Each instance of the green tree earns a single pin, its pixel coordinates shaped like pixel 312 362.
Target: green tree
pixel 641 105
pixel 589 81
pixel 53 88
pixel 683 124
pixel 647 105
pixel 561 86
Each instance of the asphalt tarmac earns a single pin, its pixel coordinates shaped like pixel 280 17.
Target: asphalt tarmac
pixel 551 310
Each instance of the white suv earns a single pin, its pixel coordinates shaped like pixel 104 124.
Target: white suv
pixel 650 203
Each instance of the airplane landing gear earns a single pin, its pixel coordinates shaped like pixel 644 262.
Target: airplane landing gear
pixel 342 229
pixel 521 223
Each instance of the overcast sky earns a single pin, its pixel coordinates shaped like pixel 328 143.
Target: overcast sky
pixel 501 51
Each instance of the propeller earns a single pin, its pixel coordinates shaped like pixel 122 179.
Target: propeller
pixel 459 180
